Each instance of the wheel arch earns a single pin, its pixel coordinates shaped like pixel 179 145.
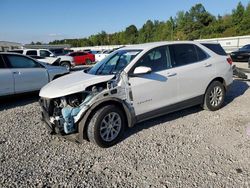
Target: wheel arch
pixel 219 79
pixel 58 76
pixel 86 117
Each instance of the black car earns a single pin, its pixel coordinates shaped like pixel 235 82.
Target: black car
pixel 242 55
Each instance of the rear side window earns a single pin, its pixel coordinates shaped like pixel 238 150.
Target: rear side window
pixel 216 48
pixel 31 52
pixel 183 54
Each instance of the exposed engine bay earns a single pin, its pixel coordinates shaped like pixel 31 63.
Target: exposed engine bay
pixel 65 112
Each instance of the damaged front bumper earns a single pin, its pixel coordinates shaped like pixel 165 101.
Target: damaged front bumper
pixel 46 119
pixel 53 128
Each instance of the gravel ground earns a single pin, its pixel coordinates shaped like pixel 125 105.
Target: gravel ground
pixel 189 148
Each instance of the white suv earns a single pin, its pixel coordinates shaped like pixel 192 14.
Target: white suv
pixel 134 84
pixel 47 57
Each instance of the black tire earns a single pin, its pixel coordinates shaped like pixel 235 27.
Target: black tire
pixel 210 98
pixel 96 122
pixel 88 62
pixel 66 64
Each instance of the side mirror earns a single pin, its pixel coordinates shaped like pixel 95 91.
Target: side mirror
pixel 52 55
pixel 142 70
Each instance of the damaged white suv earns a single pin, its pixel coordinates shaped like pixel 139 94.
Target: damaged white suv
pixel 134 84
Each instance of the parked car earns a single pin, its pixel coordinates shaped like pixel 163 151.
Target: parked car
pixel 101 55
pixel 242 55
pixel 20 73
pixel 132 85
pixel 94 51
pixel 48 56
pixel 82 58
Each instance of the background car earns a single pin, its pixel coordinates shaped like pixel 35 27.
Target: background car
pixel 20 73
pixel 101 55
pixel 94 51
pixel 48 57
pixel 82 58
pixel 242 55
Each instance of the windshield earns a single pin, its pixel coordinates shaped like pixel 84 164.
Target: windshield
pixel 114 63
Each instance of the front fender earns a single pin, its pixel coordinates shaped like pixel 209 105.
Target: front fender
pixel 128 109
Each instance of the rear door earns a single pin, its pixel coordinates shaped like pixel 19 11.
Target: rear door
pixel 194 69
pixel 28 74
pixel 6 79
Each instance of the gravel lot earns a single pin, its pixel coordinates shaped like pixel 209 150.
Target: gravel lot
pixel 190 148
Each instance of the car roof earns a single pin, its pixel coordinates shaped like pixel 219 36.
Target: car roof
pixel 151 45
pixel 209 42
pixel 36 49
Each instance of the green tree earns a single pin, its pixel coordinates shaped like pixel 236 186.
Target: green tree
pixel 131 34
pixel 238 14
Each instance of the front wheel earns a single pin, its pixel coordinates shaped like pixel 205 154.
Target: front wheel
pixel 214 96
pixel 106 126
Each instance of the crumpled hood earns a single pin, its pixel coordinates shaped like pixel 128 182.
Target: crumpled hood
pixel 72 83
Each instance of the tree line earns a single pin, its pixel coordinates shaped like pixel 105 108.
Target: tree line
pixel 197 23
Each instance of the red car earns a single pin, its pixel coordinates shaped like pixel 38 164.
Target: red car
pixel 82 58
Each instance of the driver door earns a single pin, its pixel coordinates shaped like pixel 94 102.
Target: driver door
pixel 28 74
pixel 153 92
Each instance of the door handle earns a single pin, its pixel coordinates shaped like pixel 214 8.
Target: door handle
pixel 207 65
pixel 171 74
pixel 16 72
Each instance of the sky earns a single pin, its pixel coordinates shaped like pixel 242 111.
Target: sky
pixel 46 20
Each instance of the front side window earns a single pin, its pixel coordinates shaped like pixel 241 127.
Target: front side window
pixel 114 63
pixel 31 52
pixel 44 53
pixel 156 59
pixel 183 54
pixel 21 62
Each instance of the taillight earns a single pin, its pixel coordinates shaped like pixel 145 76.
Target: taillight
pixel 230 61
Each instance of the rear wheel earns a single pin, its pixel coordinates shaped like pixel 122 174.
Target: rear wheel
pixel 106 126
pixel 66 65
pixel 214 96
